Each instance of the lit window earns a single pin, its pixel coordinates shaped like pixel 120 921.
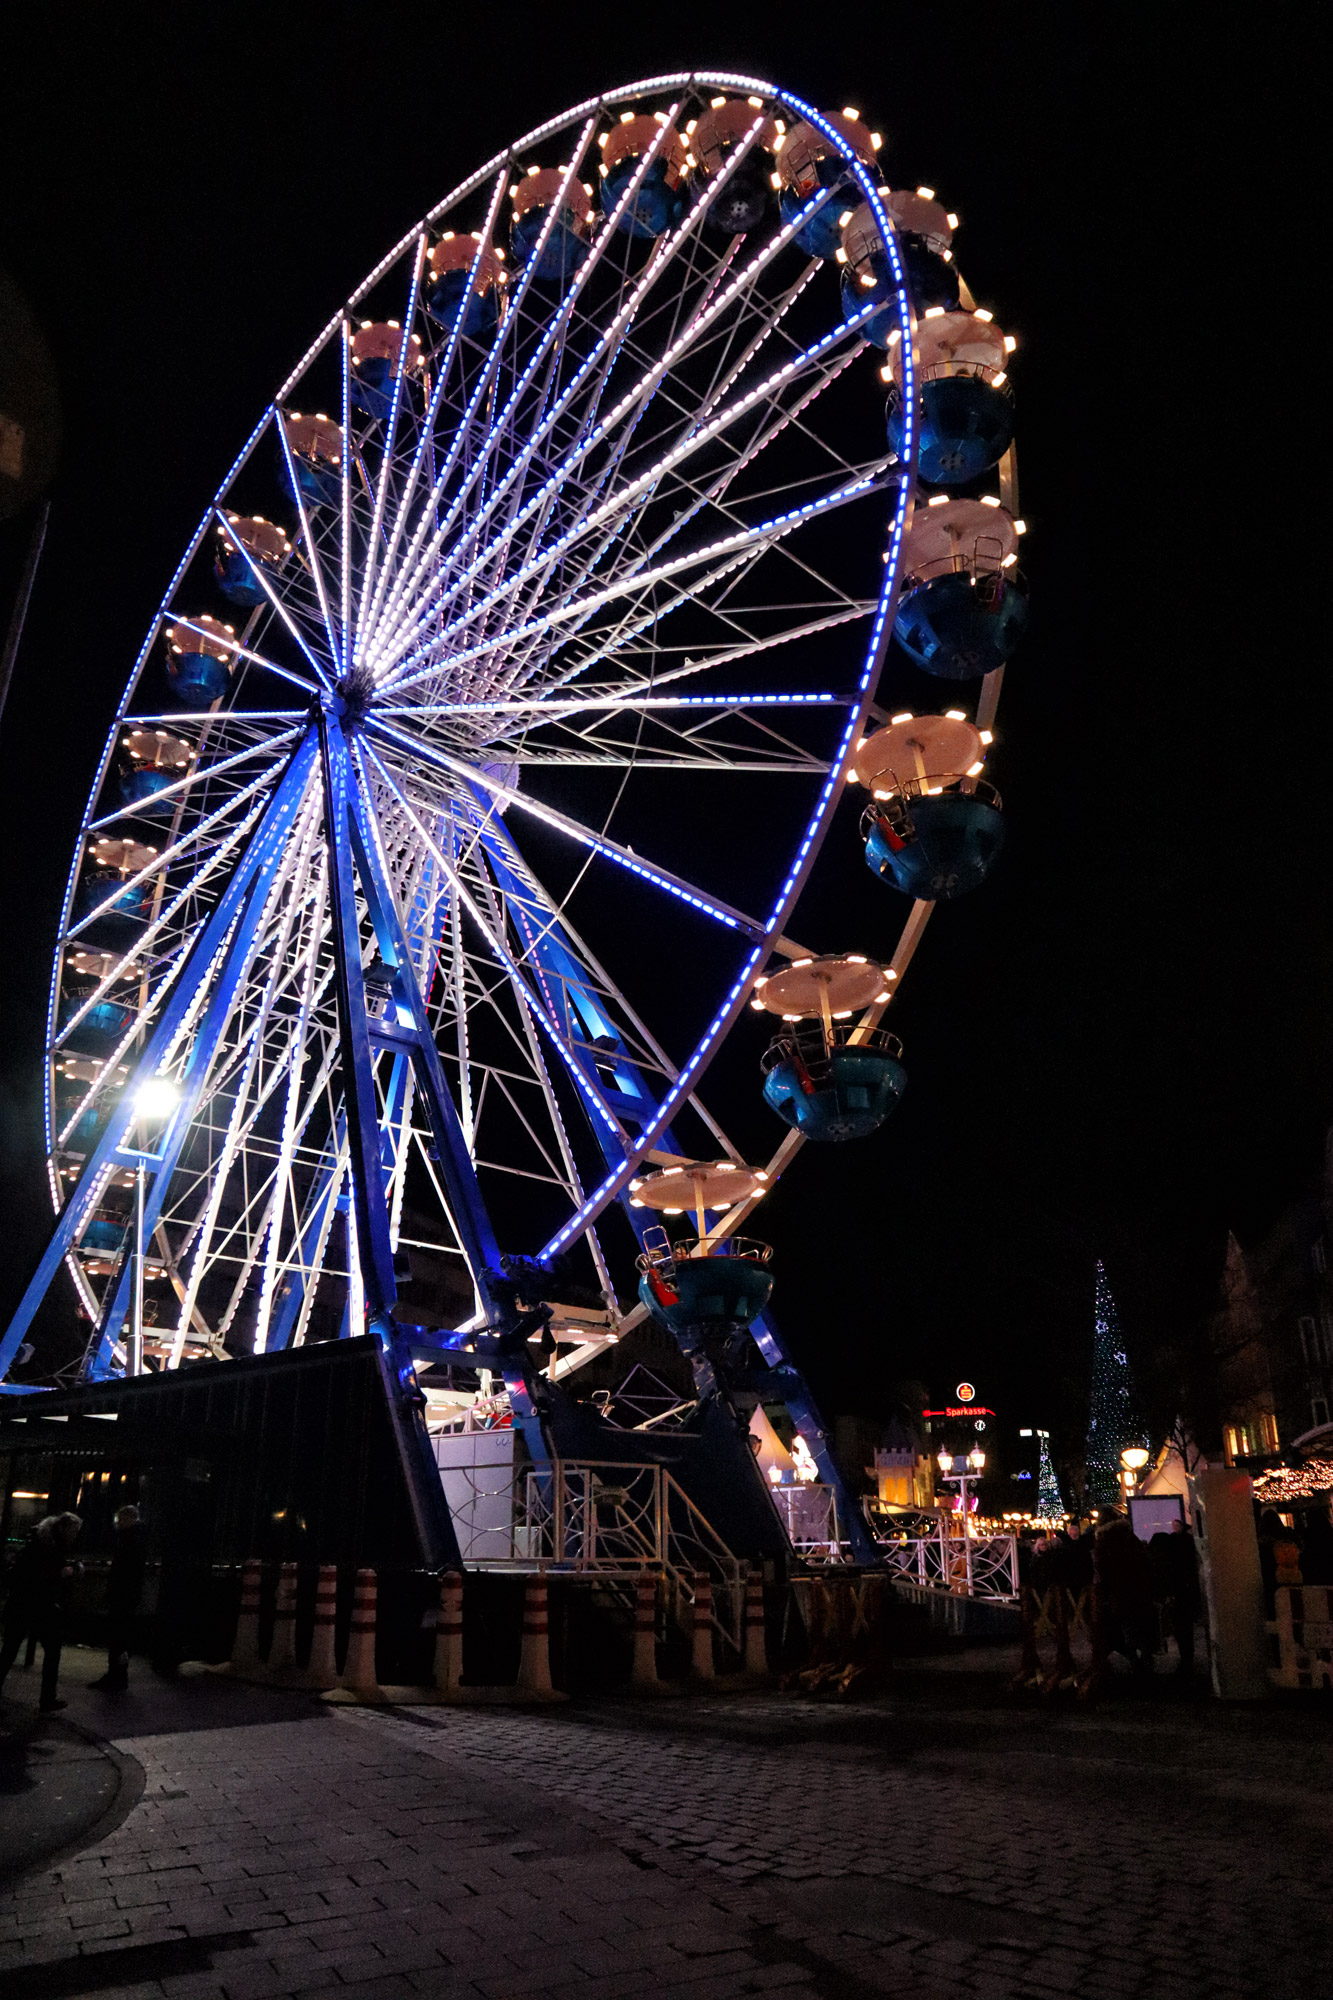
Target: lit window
pixel 1231 1445
pixel 1268 1425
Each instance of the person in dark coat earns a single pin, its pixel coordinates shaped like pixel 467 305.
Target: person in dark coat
pixel 1317 1548
pixel 1176 1576
pixel 123 1591
pixel 1123 1576
pixel 36 1601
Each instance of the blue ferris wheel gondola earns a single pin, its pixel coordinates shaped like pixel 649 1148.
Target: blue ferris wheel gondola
pixel 316 447
pixel 377 351
pixel 463 268
pixel 691 1294
pixel 934 828
pixel 962 626
pixel 743 198
pixel 833 1090
pixel 109 886
pixel 658 202
pixel 200 654
pixel 965 412
pixel 101 1027
pixel 924 233
pixel 963 609
pixel 809 161
pixel 936 849
pixel 550 194
pixel 247 548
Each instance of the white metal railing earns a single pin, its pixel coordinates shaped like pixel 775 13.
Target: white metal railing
pixel 591 1518
pixel 967 1565
pixel 809 1517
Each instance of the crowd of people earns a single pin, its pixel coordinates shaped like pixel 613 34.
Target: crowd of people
pixel 1134 1596
pixel 1129 1593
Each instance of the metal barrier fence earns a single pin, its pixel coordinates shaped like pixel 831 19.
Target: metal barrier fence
pixel 968 1565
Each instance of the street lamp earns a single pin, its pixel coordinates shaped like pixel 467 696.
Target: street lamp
pixel 155 1100
pixel 970 1470
pixel 1133 1458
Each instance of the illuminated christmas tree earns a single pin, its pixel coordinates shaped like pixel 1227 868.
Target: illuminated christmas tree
pixel 1050 1503
pixel 1111 1424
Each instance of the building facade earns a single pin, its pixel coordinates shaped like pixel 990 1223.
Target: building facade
pixel 1271 1333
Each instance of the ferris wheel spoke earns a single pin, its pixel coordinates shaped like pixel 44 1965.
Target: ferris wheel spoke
pixel 462 435
pixel 163 860
pixel 414 579
pixel 501 793
pixel 308 539
pixel 389 434
pixel 206 773
pixel 442 384
pixel 142 719
pixel 593 372
pixel 728 550
pixel 436 594
pixel 504 957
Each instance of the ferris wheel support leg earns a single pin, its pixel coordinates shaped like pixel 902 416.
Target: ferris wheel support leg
pixel 241 900
pixel 435 1531
pixel 809 1422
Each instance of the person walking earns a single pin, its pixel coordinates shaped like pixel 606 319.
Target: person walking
pixel 1176 1570
pixel 36 1601
pixel 1124 1595
pixel 123 1591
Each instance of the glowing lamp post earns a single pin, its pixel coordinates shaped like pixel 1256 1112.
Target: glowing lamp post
pixel 153 1105
pixel 1132 1459
pixel 969 1472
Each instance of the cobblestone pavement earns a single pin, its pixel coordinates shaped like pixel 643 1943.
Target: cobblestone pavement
pixel 938 1841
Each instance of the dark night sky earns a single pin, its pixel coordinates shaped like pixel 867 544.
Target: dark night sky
pixel 1120 1046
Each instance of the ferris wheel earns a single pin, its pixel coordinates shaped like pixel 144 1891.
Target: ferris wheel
pixel 462 796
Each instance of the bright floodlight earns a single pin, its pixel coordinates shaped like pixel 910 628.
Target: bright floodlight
pixel 157 1098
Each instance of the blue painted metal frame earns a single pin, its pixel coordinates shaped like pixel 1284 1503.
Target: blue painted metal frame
pixel 553 957
pixel 505 1346
pixel 345 811
pixel 239 906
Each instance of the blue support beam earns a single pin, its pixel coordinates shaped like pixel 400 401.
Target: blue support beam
pixel 549 953
pixel 262 853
